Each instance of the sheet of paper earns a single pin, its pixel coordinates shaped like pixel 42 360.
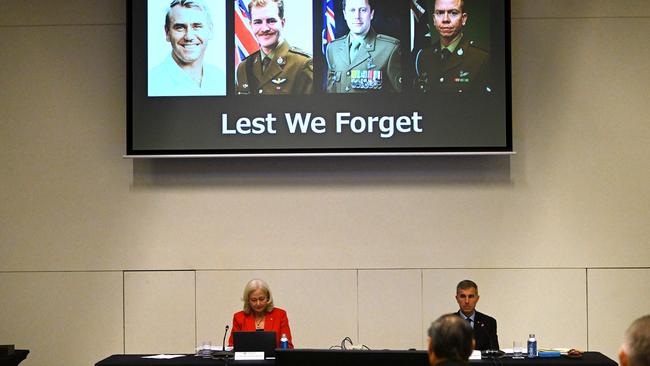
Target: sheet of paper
pixel 241 356
pixel 163 356
pixel 476 355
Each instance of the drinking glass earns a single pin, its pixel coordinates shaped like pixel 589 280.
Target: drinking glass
pixel 517 350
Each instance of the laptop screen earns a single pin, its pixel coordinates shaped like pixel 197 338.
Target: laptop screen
pixel 255 342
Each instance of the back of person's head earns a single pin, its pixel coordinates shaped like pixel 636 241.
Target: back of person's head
pixel 197 4
pixel 636 344
pixel 451 338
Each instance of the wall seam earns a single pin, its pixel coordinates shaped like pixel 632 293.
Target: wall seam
pixel 587 302
pixel 123 313
pixel 358 314
pixel 421 308
pixel 196 325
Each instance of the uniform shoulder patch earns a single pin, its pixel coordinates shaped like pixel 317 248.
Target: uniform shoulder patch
pixel 385 38
pixel 340 39
pixel 474 44
pixel 299 51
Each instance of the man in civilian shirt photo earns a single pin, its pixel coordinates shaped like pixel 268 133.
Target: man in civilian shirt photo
pixel 188 29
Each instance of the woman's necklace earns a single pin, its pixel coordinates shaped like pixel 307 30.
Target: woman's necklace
pixel 259 322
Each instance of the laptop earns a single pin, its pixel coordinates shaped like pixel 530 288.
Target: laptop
pixel 259 341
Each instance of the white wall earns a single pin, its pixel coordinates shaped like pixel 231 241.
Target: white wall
pixel 92 244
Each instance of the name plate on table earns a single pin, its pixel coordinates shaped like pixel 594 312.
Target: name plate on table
pixel 249 356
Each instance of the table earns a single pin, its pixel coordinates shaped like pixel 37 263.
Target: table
pixel 588 359
pixel 324 357
pixel 14 358
pixel 301 357
pixel 186 360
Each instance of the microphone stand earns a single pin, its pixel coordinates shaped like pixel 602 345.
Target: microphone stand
pixel 223 354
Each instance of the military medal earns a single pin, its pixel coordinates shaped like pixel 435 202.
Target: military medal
pixel 366 79
pixel 278 81
pixel 463 77
pixel 281 61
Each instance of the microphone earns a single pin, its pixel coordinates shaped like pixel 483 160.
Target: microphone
pixel 223 343
pixel 223 353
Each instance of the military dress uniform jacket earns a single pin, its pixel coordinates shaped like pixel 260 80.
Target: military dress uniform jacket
pixel 466 69
pixel 376 67
pixel 291 71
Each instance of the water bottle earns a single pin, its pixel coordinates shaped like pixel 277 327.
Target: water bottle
pixel 532 346
pixel 284 341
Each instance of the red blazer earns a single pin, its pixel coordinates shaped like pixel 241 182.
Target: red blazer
pixel 274 321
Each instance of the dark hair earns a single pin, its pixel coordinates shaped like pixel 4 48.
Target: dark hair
pixel 187 4
pixel 466 284
pixel 371 4
pixel 462 5
pixel 263 3
pixel 637 342
pixel 451 338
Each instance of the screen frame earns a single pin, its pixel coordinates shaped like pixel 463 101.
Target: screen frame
pixel 506 149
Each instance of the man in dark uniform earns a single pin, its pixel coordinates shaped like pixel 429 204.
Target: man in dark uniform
pixel 450 341
pixel 276 68
pixel 363 61
pixel 454 63
pixel 485 326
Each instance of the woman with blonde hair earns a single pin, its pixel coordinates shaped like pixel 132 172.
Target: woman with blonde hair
pixel 259 313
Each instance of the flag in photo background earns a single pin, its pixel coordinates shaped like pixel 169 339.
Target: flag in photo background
pixel 245 42
pixel 329 23
pixel 420 25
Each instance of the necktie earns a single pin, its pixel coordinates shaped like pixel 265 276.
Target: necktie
pixel 265 63
pixel 445 55
pixel 469 320
pixel 354 49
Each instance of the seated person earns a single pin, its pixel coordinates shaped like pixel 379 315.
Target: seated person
pixel 485 326
pixel 635 350
pixel 260 314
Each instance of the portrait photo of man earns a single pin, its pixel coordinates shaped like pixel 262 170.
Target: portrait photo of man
pixel 363 60
pixel 453 62
pixel 186 69
pixel 270 64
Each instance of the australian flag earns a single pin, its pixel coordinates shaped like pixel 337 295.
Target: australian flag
pixel 329 23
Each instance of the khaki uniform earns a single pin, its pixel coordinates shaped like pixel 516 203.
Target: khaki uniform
pixel 464 70
pixel 291 71
pixel 376 67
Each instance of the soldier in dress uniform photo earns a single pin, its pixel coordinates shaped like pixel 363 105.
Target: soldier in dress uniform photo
pixel 453 63
pixel 363 60
pixel 277 67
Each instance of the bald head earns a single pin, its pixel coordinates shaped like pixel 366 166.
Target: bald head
pixel 635 350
